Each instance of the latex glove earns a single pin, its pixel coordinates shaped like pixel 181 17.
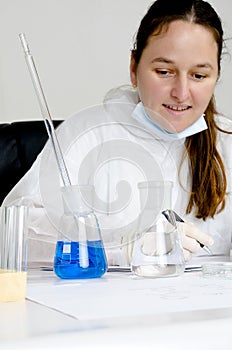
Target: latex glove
pixel 156 244
pixel 191 237
pixel 151 244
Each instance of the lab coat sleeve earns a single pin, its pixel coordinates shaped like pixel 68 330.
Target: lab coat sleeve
pixel 41 232
pixel 39 190
pixel 81 137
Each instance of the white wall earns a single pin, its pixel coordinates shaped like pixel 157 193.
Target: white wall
pixel 81 49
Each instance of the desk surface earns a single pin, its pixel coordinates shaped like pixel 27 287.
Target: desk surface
pixel 119 309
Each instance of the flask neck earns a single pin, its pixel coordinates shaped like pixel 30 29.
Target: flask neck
pixel 77 199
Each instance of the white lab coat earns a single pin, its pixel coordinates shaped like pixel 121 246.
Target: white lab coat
pixel 103 145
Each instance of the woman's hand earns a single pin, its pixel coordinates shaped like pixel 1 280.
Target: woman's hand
pixel 191 237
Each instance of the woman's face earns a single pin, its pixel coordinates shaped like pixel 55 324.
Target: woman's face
pixel 177 74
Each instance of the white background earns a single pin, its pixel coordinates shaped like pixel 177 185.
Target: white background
pixel 81 49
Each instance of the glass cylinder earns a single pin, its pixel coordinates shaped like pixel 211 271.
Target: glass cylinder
pixel 157 250
pixel 79 252
pixel 13 253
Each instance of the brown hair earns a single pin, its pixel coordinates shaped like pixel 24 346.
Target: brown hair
pixel 209 183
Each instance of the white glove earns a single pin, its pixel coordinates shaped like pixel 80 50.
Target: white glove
pixel 155 244
pixel 151 244
pixel 191 237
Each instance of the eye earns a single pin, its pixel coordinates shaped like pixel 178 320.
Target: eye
pixel 164 73
pixel 199 76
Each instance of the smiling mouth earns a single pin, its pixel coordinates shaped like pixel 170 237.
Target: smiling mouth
pixel 177 108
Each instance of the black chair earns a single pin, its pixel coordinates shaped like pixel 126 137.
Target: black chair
pixel 20 144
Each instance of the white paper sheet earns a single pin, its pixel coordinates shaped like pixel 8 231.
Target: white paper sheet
pixel 123 294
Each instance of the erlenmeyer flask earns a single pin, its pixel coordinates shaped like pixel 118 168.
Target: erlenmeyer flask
pixel 79 252
pixel 157 250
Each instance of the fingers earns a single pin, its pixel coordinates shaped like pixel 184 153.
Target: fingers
pixel 148 244
pixel 188 243
pixel 194 232
pixel 191 237
pixel 187 255
pixel 156 244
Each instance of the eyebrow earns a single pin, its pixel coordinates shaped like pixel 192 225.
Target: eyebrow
pixel 166 60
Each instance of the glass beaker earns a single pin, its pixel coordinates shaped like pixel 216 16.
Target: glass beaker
pixel 79 252
pixel 157 250
pixel 13 253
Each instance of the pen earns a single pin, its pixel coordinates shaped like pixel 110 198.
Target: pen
pixel 179 219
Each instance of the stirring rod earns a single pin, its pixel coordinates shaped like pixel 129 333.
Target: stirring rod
pixel 45 111
pixel 50 130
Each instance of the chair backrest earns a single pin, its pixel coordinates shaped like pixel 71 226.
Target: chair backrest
pixel 20 144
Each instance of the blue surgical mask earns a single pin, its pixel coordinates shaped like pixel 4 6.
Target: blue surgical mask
pixel 141 116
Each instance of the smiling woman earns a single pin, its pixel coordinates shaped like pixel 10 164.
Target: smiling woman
pixel 164 128
pixel 175 65
pixel 176 74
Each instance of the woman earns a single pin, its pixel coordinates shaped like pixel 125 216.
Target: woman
pixel 164 128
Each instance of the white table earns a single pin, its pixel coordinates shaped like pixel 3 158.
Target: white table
pixel 119 311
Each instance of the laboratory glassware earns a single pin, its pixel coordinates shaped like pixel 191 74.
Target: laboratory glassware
pixel 157 250
pixel 79 252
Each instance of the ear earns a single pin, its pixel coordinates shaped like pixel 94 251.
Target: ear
pixel 133 70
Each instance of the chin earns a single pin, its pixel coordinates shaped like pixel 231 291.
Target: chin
pixel 177 127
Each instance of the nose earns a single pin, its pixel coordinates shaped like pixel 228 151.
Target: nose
pixel 180 89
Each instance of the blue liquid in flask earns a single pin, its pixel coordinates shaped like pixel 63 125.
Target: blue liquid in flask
pixel 67 260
